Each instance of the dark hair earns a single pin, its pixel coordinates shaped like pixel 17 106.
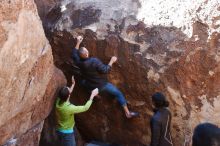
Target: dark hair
pixel 64 93
pixel 206 134
pixel 159 100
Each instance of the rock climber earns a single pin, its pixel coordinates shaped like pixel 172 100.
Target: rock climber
pixel 65 112
pixel 160 122
pixel 206 134
pixel 93 70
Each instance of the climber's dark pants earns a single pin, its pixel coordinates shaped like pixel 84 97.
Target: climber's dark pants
pixel 110 89
pixel 66 139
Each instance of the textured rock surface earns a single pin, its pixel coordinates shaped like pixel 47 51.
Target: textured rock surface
pixel 27 74
pixel 167 46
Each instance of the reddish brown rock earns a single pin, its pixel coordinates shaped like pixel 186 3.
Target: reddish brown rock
pixel 28 77
pixel 171 51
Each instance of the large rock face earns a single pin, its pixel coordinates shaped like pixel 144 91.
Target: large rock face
pixel 167 46
pixel 28 77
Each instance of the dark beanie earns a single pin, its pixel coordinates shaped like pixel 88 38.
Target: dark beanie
pixel 160 100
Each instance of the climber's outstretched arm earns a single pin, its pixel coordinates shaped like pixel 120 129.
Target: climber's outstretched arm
pixel 100 67
pixel 79 41
pixel 75 54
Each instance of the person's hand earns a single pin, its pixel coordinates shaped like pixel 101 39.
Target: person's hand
pixel 73 80
pixel 79 39
pixel 94 93
pixel 114 59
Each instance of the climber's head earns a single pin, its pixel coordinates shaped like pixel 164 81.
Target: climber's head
pixel 159 100
pixel 206 134
pixel 64 93
pixel 83 53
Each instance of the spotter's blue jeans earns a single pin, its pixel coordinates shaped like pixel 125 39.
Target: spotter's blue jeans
pixel 66 139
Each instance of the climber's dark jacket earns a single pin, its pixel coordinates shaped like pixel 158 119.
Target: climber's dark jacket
pixel 92 69
pixel 160 128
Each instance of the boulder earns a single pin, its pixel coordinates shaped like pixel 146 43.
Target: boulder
pixel 162 46
pixel 28 77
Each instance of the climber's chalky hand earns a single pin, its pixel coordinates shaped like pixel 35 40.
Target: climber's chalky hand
pixel 79 39
pixel 114 59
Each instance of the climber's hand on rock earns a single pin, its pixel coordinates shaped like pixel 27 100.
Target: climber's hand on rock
pixel 113 59
pixel 79 39
pixel 94 93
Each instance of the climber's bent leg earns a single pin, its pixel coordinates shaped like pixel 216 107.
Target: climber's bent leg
pixel 114 91
pixel 66 139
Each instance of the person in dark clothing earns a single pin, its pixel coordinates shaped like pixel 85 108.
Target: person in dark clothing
pixel 160 122
pixel 206 134
pixel 93 71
